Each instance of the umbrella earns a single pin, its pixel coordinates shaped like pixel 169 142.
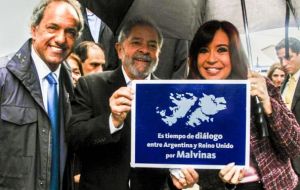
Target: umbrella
pixel 181 18
pixel 258 109
pixel 262 15
pixel 176 18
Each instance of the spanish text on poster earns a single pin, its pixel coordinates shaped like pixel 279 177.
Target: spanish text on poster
pixel 180 123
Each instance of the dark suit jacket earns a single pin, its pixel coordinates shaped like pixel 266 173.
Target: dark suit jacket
pixel 106 38
pixel 173 59
pixel 105 157
pixel 295 108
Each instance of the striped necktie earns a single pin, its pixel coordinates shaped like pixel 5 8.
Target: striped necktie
pixel 53 107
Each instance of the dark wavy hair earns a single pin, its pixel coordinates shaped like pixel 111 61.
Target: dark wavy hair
pixel 204 37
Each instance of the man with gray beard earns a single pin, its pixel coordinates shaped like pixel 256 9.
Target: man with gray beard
pixel 99 129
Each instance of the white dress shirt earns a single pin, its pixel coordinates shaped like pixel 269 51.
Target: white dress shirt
pixel 42 71
pixel 94 24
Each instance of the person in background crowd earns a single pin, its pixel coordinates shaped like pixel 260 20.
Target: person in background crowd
pixel 216 53
pixel 35 88
pixel 99 130
pixel 76 70
pixel 76 67
pixel 95 30
pixel 91 60
pixel 276 74
pixel 291 86
pixel 92 57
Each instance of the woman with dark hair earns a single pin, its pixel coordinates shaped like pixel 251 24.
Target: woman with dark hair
pixel 277 74
pixel 203 38
pixel 216 53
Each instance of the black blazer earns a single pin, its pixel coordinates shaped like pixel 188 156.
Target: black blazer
pixel 106 38
pixel 295 108
pixel 105 157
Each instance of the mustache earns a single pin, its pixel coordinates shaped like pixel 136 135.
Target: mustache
pixel 61 45
pixel 142 57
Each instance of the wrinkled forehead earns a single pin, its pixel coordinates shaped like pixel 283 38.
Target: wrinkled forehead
pixel 61 9
pixel 143 32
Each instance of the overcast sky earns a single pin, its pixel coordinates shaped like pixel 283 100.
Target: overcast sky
pixel 14 22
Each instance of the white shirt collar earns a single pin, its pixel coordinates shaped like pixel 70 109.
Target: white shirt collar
pixel 128 80
pixel 42 71
pixel 41 67
pixel 296 75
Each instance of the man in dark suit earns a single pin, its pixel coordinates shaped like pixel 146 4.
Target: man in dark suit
pixel 290 89
pixel 100 126
pixel 34 94
pixel 102 34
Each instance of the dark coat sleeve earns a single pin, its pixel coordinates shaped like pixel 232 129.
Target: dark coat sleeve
pixel 89 124
pixel 173 59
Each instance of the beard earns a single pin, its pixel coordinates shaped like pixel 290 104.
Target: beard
pixel 150 68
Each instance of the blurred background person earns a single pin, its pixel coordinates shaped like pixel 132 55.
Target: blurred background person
pixel 216 53
pixel 290 89
pixel 88 58
pixel 92 57
pixel 291 65
pixel 276 74
pixel 76 67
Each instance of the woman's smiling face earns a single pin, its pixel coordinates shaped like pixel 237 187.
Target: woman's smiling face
pixel 213 61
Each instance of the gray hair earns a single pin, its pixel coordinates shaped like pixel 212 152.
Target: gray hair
pixel 139 21
pixel 38 13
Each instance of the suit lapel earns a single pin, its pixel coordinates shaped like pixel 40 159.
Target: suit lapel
pixel 22 67
pixel 296 95
pixel 86 24
pixel 102 26
pixel 66 92
pixel 284 84
pixel 87 31
pixel 117 79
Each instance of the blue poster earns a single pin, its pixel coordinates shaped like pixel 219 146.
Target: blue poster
pixel 190 123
